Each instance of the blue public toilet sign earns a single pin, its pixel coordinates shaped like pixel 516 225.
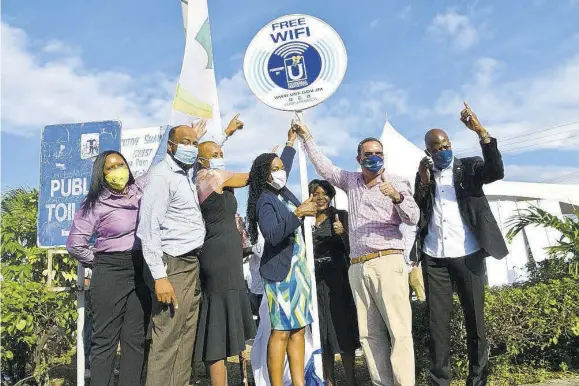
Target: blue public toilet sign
pixel 67 153
pixel 295 62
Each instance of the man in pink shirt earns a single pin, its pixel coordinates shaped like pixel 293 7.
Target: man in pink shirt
pixel 377 204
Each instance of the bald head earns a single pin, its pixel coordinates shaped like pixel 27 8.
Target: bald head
pixel 209 150
pixel 436 140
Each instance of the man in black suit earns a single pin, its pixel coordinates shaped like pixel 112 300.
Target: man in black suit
pixel 456 231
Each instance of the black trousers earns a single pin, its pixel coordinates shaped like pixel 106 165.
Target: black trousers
pixel 467 275
pixel 121 307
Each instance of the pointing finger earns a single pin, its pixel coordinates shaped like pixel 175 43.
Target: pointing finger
pixel 236 116
pixel 336 218
pixel 466 106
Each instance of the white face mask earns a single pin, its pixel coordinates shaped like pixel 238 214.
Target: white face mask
pixel 279 179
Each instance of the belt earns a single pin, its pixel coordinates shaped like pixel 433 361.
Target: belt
pixel 371 256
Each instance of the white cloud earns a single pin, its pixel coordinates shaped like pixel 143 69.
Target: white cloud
pixel 485 70
pixel 374 23
pixel 337 124
pixel 522 108
pixel 404 13
pixel 37 92
pixel 455 26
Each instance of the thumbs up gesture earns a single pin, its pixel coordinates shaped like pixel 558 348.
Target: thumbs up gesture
pixel 307 208
pixel 338 226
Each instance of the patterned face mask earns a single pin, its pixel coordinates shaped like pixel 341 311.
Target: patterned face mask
pixel 118 178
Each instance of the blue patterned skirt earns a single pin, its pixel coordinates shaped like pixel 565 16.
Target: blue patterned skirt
pixel 289 301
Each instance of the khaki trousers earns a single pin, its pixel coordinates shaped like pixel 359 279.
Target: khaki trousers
pixel 173 336
pixel 381 293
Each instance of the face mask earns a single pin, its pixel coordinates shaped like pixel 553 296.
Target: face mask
pixel 279 179
pixel 373 163
pixel 217 163
pixel 118 178
pixel 442 159
pixel 186 154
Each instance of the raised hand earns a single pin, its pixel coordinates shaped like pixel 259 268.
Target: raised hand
pixel 234 125
pixel 426 165
pixel 307 209
pixel 470 120
pixel 300 128
pixel 291 135
pixel 200 127
pixel 337 226
pixel 388 190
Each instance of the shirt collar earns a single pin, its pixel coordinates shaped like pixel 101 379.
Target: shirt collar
pixel 172 164
pixel 449 167
pixel 384 177
pixel 130 192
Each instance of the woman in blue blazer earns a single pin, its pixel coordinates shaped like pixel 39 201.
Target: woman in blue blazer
pixel 284 270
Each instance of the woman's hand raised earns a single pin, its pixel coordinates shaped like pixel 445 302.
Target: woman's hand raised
pixel 307 209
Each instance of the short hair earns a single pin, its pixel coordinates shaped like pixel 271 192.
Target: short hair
pixel 325 185
pixel 369 139
pixel 172 132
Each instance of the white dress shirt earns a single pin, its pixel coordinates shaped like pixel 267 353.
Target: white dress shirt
pixel 448 236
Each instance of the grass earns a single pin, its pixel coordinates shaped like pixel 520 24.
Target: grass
pixel 66 376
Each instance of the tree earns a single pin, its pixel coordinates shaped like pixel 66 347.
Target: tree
pixel 38 324
pixel 564 256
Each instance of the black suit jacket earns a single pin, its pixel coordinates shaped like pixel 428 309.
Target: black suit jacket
pixel 277 225
pixel 470 174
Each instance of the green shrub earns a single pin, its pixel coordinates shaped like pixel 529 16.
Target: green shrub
pixel 532 329
pixel 38 325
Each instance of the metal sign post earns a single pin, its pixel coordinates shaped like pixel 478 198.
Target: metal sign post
pixel 80 299
pixel 308 225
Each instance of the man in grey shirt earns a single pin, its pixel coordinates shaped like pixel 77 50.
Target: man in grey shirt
pixel 172 232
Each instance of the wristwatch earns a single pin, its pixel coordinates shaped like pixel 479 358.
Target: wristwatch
pixel 399 201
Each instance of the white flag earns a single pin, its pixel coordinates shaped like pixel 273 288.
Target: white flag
pixel 259 354
pixel 196 95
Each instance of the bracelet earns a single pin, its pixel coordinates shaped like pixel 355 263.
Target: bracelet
pixel 399 201
pixel 487 136
pixel 289 143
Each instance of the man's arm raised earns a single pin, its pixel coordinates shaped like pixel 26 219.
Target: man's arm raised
pixel 325 168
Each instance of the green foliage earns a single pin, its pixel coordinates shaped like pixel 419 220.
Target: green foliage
pixel 564 256
pixel 38 324
pixel 532 329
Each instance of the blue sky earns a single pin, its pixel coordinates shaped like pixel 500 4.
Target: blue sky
pixel 516 62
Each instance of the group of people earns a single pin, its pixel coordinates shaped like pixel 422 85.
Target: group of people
pixel 168 254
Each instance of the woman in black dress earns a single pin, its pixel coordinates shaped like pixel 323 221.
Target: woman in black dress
pixel 225 318
pixel 336 308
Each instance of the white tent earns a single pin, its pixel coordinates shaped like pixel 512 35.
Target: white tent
pixel 505 198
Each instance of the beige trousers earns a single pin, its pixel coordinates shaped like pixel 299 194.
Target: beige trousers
pixel 169 362
pixel 381 292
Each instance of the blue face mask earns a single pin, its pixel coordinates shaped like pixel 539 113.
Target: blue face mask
pixel 442 159
pixel 217 163
pixel 186 154
pixel 373 163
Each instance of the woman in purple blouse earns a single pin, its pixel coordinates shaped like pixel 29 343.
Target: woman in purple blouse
pixel 121 301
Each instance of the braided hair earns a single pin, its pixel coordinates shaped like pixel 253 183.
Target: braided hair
pixel 258 175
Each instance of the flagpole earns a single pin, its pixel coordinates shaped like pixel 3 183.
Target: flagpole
pixel 308 223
